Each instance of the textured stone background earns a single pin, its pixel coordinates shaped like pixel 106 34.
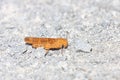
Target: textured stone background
pixel 91 24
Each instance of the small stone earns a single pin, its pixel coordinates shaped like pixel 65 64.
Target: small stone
pixel 83 46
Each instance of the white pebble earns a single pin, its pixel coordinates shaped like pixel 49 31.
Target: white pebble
pixel 82 46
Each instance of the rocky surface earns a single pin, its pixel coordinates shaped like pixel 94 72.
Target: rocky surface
pixel 93 28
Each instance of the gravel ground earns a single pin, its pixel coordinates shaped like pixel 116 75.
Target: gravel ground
pixel 92 24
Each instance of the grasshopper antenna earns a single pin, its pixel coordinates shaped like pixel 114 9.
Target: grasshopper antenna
pixel 67 33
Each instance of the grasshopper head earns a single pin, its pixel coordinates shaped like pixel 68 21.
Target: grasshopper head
pixel 64 42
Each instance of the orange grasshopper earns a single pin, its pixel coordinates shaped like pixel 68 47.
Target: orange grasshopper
pixel 47 43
